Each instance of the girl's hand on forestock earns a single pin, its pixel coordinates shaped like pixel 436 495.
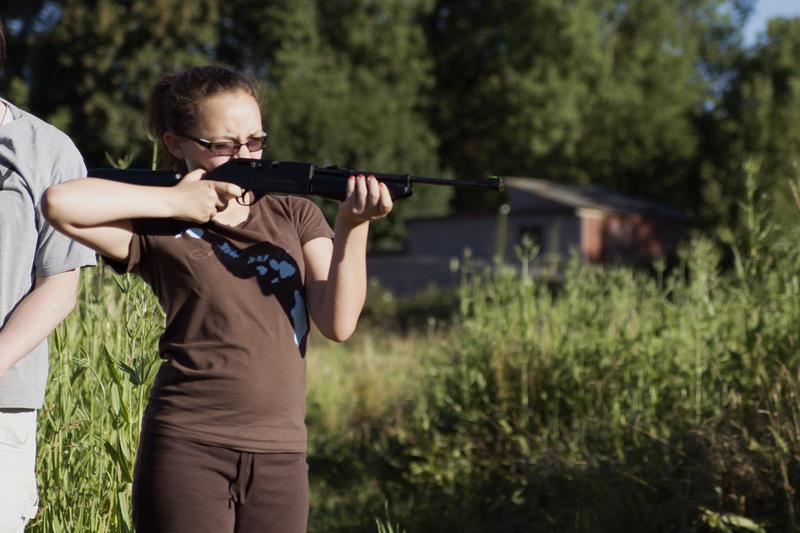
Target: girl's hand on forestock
pixel 194 200
pixel 367 199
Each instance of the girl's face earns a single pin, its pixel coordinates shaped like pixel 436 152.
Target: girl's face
pixel 232 117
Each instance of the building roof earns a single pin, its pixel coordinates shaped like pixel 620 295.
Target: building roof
pixel 588 197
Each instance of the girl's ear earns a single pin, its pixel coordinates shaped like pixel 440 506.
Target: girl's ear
pixel 173 144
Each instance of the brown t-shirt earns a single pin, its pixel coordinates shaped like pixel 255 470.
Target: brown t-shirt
pixel 236 324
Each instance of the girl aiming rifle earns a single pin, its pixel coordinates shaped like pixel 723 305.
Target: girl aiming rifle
pixel 223 437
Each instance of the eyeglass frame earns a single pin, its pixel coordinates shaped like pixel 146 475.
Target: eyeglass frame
pixel 205 143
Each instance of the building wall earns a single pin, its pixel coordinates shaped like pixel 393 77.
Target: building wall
pixel 406 274
pixel 448 237
pixel 558 235
pixel 436 248
pixel 593 229
pixel 635 238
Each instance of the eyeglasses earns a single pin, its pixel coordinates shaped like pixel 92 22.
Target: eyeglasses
pixel 253 144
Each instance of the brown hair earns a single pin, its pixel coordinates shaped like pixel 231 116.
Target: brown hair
pixel 175 98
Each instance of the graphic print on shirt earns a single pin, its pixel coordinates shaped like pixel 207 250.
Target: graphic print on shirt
pixel 274 269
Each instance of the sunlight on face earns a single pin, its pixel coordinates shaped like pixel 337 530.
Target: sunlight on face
pixel 232 116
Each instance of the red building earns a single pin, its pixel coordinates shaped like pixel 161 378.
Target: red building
pixel 612 226
pixel 596 223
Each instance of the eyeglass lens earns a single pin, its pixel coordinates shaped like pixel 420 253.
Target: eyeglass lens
pixel 231 148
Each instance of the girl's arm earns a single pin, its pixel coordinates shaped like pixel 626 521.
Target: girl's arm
pixel 98 212
pixel 336 272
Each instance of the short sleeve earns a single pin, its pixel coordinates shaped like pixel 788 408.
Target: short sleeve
pixel 55 252
pixel 310 221
pixel 135 251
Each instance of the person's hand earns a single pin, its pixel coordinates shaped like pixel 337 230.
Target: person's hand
pixel 367 199
pixel 194 200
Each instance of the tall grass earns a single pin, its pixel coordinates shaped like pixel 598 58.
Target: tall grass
pixel 619 401
pixel 622 401
pixel 618 404
pixel 102 362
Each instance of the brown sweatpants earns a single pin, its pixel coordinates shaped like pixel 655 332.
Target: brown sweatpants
pixel 186 487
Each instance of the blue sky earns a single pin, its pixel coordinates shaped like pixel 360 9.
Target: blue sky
pixel 765 10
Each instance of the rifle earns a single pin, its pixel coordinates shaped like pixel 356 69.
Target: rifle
pixel 290 177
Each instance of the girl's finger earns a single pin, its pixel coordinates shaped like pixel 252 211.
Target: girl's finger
pixel 385 203
pixel 361 193
pixel 227 190
pixel 195 175
pixel 373 191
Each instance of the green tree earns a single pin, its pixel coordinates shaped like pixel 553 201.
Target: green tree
pixel 620 93
pixel 88 66
pixel 510 82
pixel 606 91
pixel 662 62
pixel 346 82
pixel 759 122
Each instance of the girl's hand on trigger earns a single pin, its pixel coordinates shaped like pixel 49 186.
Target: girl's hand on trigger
pixel 367 199
pixel 198 201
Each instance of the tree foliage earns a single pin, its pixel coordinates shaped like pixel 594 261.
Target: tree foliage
pixel 655 98
pixel 347 83
pixel 88 66
pixel 758 123
pixel 593 90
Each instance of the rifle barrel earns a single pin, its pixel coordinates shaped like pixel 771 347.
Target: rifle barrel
pixel 493 184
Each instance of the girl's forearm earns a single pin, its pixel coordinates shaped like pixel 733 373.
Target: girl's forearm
pixel 93 202
pixel 346 288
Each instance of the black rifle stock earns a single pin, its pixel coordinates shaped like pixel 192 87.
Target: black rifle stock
pixel 290 177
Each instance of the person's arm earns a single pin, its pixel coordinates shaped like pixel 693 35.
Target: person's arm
pixel 336 272
pixel 98 212
pixel 50 301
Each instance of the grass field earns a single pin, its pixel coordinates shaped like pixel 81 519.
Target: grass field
pixel 620 401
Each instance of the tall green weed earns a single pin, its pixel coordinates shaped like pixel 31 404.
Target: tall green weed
pixel 102 363
pixel 618 400
pixel 622 401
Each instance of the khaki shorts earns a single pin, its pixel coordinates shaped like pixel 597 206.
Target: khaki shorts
pixel 18 499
